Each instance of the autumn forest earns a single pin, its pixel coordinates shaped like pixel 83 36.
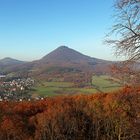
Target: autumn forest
pixel 113 116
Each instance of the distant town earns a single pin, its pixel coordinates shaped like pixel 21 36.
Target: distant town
pixel 17 89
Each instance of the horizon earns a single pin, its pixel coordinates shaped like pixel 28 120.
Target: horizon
pixel 51 52
pixel 38 27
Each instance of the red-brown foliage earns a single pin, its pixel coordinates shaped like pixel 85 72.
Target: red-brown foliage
pixel 112 116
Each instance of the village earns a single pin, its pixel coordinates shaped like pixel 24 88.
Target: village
pixel 17 89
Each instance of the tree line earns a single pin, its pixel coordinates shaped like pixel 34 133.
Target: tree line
pixel 108 116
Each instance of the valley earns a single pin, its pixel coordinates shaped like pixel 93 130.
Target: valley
pixel 64 71
pixel 100 84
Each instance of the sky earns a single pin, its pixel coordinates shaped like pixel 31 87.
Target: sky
pixel 30 29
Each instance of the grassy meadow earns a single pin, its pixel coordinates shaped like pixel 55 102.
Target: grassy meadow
pixel 105 83
pixel 101 83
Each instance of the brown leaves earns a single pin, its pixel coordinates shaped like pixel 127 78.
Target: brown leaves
pixel 97 116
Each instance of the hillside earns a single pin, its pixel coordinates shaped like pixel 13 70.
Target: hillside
pixel 9 64
pixel 10 61
pixel 65 54
pixel 80 117
pixel 62 60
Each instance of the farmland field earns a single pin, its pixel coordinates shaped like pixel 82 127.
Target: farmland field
pixel 105 83
pixel 101 83
pixel 59 88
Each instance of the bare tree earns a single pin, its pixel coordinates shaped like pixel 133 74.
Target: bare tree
pixel 127 29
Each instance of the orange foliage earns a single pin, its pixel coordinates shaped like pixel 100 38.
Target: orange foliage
pixel 97 116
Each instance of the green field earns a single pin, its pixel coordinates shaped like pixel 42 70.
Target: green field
pixel 101 83
pixel 58 84
pixel 105 83
pixel 59 88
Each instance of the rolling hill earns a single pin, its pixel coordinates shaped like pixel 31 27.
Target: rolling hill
pixel 10 61
pixel 7 64
pixel 62 60
pixel 65 54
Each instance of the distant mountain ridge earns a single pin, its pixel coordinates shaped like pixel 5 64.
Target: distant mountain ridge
pixel 62 59
pixel 10 61
pixel 9 64
pixel 65 61
pixel 63 53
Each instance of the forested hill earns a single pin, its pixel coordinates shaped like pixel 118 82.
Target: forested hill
pixel 61 58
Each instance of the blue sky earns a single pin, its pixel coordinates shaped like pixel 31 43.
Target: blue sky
pixel 29 29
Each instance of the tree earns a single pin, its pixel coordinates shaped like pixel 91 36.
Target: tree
pixel 127 27
pixel 126 74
